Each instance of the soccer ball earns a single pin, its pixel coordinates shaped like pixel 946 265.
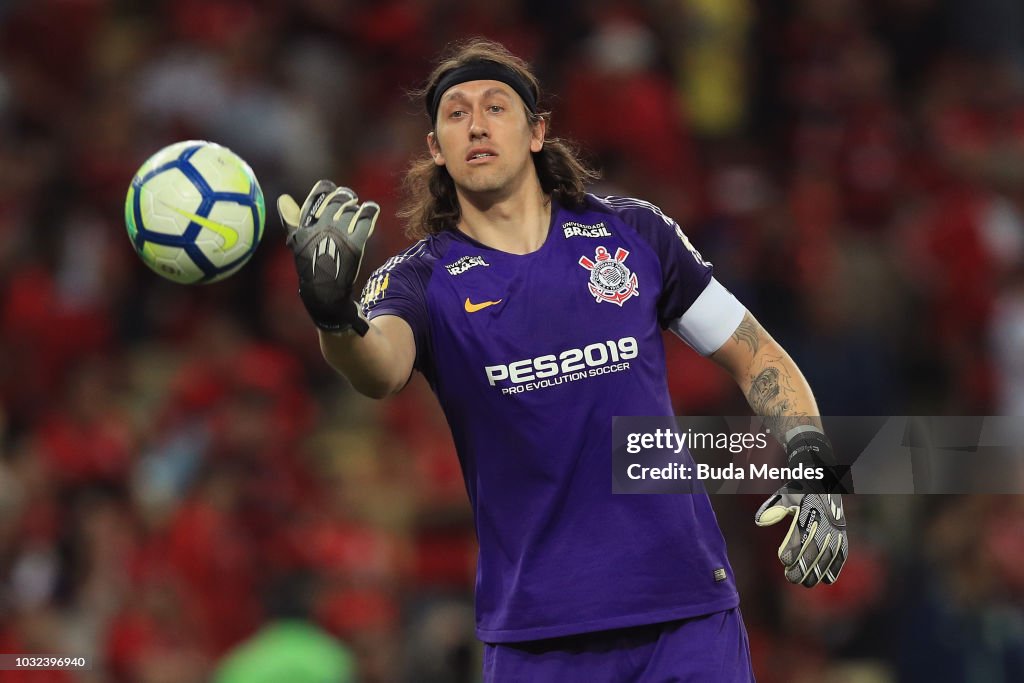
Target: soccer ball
pixel 195 212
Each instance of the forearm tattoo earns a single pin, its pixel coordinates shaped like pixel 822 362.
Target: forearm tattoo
pixel 773 395
pixel 777 391
pixel 764 389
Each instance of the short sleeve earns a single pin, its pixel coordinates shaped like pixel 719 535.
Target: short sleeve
pixel 684 272
pixel 399 288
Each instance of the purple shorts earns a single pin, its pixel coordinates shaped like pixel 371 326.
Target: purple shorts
pixel 712 647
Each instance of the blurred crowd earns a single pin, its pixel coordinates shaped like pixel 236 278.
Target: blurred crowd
pixel 181 473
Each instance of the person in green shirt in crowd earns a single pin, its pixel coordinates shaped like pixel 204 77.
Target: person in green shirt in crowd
pixel 289 647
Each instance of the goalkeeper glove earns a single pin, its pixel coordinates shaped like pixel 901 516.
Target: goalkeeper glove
pixel 816 546
pixel 327 237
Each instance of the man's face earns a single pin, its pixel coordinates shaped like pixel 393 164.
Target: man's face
pixel 483 136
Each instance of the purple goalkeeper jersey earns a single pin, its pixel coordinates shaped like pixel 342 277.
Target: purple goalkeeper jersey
pixel 530 357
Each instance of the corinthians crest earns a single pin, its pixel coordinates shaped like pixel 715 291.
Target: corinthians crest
pixel 610 279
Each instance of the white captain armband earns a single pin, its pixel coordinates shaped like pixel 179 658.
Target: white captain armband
pixel 710 319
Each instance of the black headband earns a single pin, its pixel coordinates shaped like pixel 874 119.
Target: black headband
pixel 483 70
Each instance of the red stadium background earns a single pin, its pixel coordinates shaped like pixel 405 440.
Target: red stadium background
pixel 177 462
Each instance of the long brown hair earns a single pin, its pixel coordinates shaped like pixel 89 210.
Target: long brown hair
pixel 429 202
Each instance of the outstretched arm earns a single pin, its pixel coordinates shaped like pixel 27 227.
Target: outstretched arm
pixel 377 364
pixel 327 236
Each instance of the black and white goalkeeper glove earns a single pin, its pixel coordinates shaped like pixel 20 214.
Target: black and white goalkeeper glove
pixel 327 237
pixel 816 546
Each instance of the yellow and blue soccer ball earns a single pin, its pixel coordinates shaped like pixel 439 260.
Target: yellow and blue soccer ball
pixel 195 212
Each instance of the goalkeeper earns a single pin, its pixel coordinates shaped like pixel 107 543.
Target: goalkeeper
pixel 521 280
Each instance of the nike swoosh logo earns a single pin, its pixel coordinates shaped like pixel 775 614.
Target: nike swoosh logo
pixel 473 308
pixel 229 235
